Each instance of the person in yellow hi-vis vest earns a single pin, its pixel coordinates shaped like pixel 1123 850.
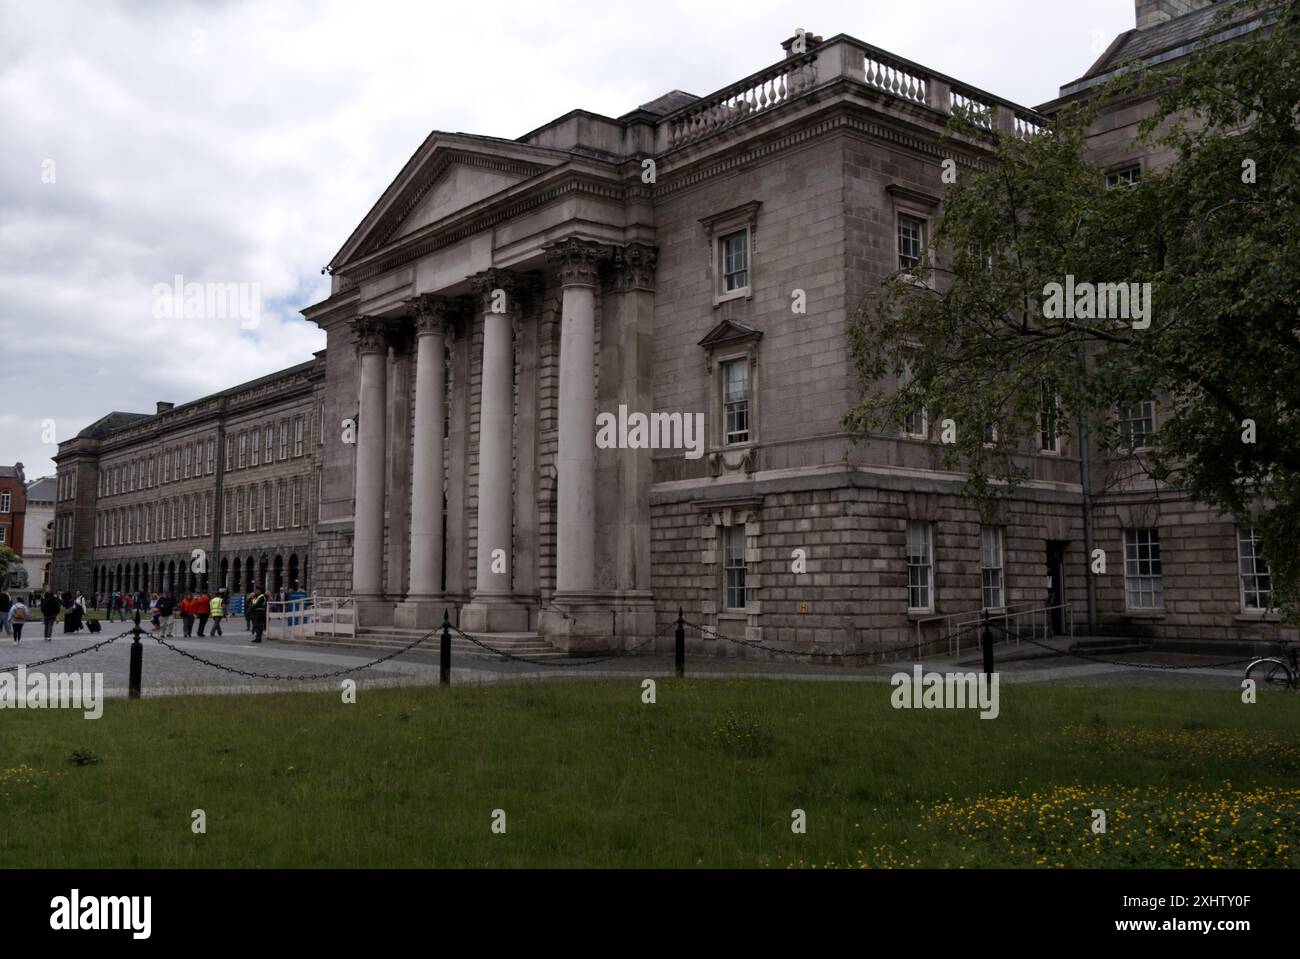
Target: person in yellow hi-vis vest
pixel 218 609
pixel 258 602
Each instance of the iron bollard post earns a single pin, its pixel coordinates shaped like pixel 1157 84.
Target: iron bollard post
pixel 137 661
pixel 444 652
pixel 681 644
pixel 986 640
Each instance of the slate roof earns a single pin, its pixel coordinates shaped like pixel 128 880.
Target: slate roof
pixel 1170 35
pixel 670 102
pixel 41 490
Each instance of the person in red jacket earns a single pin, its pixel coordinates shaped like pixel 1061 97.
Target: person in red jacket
pixel 187 615
pixel 201 606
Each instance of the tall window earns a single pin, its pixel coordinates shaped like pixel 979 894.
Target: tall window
pixel 176 463
pixel 270 443
pixel 911 241
pixel 991 566
pixel 130 479
pixel 185 517
pixel 1144 584
pixel 175 529
pixel 266 506
pixel 188 453
pixel 920 567
pixel 733 253
pixel 280 498
pixel 1137 423
pixel 243 450
pixel 207 514
pixel 230 453
pixel 1048 415
pixel 734 566
pixel 284 439
pixel 257 445
pixel 4 501
pixel 239 511
pixel 225 512
pixel 297 501
pixel 252 508
pixel 1256 581
pixel 299 433
pixel 735 401
pixel 212 455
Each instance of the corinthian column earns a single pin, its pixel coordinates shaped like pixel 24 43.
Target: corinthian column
pixel 492 607
pixel 368 521
pixel 434 316
pixel 577 263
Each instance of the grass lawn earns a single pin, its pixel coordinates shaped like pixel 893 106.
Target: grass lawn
pixel 589 776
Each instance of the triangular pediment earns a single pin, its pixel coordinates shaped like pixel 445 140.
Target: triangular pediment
pixel 727 333
pixel 448 174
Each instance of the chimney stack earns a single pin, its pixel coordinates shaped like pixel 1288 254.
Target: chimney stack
pixel 802 38
pixel 1153 12
pixel 164 407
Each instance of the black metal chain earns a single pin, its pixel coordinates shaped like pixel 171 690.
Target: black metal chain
pixel 304 676
pixel 76 652
pixel 564 664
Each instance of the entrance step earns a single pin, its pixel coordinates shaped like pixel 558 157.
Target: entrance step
pixel 1111 644
pixel 528 645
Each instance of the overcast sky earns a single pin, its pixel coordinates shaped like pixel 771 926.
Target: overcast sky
pixel 242 142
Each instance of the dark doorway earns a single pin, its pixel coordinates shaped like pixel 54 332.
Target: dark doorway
pixel 1056 584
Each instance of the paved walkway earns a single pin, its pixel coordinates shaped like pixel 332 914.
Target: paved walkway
pixel 169 673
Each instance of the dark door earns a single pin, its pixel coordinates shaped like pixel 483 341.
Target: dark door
pixel 1056 584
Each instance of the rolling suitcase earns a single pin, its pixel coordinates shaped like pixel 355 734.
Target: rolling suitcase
pixel 92 625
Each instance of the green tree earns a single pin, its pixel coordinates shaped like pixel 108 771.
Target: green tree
pixel 972 334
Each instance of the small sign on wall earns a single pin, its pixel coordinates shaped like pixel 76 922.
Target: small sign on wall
pixel 803 607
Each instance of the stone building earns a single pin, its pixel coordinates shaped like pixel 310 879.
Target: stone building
pixel 13 507
pixel 1184 572
pixel 38 541
pixel 578 380
pixel 219 492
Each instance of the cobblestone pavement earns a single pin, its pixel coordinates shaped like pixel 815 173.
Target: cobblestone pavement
pixel 169 673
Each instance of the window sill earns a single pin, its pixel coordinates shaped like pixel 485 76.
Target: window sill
pixel 744 293
pixel 1152 614
pixel 1257 616
pixel 914 614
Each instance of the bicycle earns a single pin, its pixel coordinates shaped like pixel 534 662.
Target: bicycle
pixel 1279 672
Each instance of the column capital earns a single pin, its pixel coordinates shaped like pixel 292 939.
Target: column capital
pixel 370 334
pixel 438 314
pixel 577 261
pixel 632 267
pixel 505 290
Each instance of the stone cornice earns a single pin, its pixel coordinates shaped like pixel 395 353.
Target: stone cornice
pixel 577 262
pixel 478 220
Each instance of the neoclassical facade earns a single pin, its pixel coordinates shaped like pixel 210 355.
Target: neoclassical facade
pixel 685 274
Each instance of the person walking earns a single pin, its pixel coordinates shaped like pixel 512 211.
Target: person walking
pixel 72 618
pixel 187 615
pixel 218 609
pixel 166 605
pixel 50 607
pixel 18 618
pixel 248 609
pixel 6 604
pixel 153 612
pixel 258 606
pixel 202 608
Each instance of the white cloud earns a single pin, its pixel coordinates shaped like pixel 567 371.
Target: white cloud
pixel 242 142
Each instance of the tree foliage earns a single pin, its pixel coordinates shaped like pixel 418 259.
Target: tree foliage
pixel 1216 234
